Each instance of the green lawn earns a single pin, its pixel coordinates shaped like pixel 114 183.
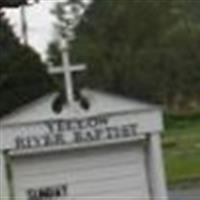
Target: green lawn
pixel 182 149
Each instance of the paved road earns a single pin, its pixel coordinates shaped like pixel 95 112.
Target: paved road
pixel 186 194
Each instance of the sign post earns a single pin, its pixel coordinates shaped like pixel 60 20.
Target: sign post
pixel 156 168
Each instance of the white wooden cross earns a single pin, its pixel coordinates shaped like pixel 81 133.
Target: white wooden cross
pixel 67 71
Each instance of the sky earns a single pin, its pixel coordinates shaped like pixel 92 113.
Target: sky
pixel 40 23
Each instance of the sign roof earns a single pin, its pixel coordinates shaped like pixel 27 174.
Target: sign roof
pixel 100 103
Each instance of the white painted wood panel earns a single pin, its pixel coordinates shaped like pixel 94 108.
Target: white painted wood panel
pixel 4 192
pixel 41 109
pixel 115 172
pixel 96 158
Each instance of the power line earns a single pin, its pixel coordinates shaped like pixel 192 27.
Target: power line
pixel 16 3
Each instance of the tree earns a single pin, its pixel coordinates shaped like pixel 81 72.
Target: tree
pixel 23 76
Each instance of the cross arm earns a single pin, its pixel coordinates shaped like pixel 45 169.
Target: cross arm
pixel 55 70
pixel 78 68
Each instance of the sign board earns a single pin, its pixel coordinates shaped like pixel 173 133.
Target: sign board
pixel 77 131
pixel 88 130
pixel 95 154
pixel 107 172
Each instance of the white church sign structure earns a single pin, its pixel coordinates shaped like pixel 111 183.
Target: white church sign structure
pixel 112 150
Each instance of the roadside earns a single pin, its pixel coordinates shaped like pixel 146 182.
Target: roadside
pixel 185 194
pixel 181 144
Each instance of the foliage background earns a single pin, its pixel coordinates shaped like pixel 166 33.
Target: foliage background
pixel 143 49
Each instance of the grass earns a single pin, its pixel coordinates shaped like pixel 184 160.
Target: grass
pixel 182 149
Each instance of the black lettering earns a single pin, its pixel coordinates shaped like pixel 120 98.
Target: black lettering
pixel 103 120
pixel 59 139
pixel 68 125
pixel 133 128
pixel 32 194
pixel 95 121
pixel 78 137
pixel 50 192
pixel 59 126
pixel 58 192
pixel 55 127
pixel 36 141
pixel 81 124
pixel 73 125
pixel 92 122
pixel 98 133
pixel 126 131
pixel 63 126
pixel 50 126
pixel 47 141
pixel 64 190
pixel 43 193
pixel 113 132
pixel 28 142
pixel 91 136
pixel 20 143
pixel 47 192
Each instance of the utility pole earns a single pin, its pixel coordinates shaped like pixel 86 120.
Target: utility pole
pixel 22 5
pixel 24 26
